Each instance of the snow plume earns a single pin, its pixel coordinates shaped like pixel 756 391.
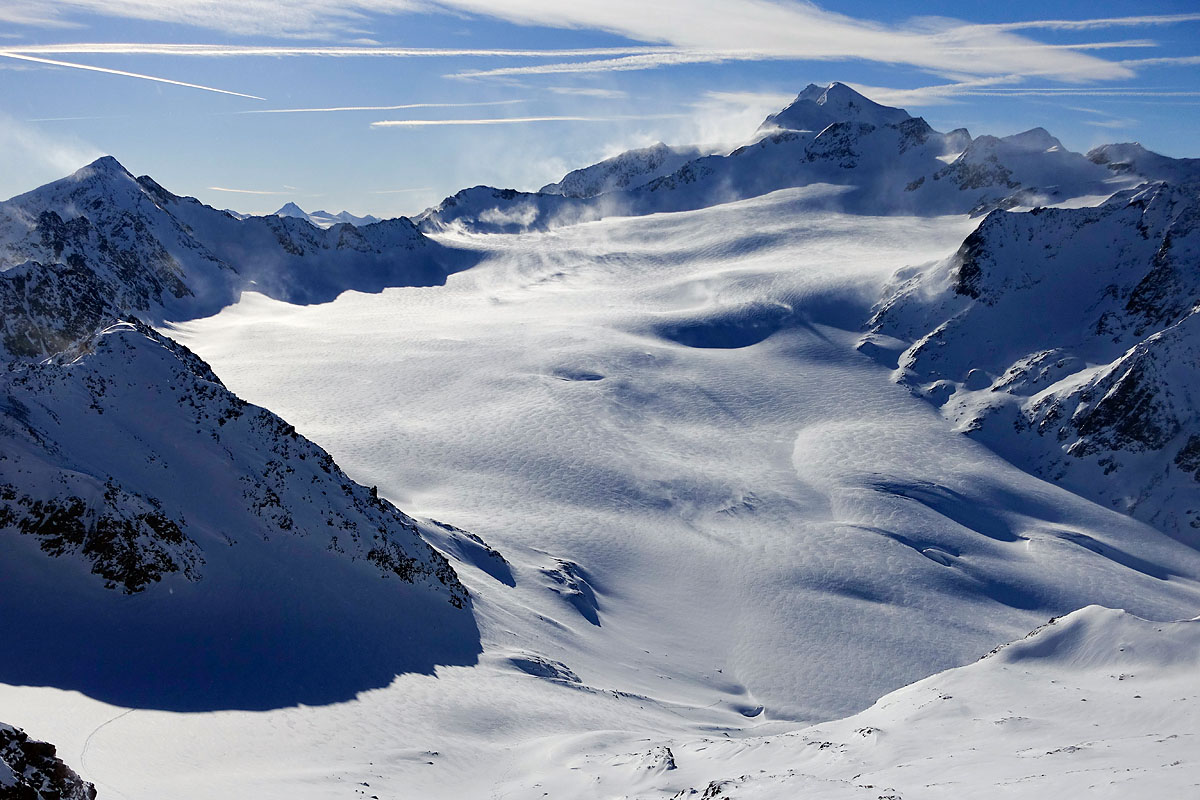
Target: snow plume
pixel 41 157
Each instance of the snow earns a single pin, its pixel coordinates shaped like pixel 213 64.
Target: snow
pixel 772 534
pixel 697 516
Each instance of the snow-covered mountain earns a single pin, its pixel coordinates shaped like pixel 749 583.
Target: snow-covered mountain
pixel 818 107
pixel 128 469
pixel 624 171
pixel 99 244
pixel 1069 341
pixel 885 161
pixel 324 219
pixel 715 521
pixel 199 549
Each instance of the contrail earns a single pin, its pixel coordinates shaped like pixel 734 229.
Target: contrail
pixel 90 68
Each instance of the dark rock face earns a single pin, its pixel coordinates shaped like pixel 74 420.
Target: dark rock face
pixel 31 770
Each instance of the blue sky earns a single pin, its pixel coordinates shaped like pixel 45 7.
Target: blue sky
pixel 549 85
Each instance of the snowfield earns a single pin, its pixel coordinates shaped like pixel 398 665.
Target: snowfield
pixel 719 516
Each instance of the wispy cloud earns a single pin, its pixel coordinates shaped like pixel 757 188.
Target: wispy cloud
pixel 946 93
pixel 1092 24
pixel 762 29
pixel 421 123
pixel 378 108
pixel 585 91
pixel 1164 61
pixel 123 73
pixel 243 191
pixel 230 50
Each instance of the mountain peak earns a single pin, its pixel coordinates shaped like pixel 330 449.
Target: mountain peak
pixel 105 165
pixel 291 210
pixel 1034 139
pixel 817 107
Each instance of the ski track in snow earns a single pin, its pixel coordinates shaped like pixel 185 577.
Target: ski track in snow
pixel 773 533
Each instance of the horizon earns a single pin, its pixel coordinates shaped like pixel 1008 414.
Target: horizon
pixel 254 107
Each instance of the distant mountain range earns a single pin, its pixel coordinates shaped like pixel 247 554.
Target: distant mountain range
pixel 887 161
pixel 324 219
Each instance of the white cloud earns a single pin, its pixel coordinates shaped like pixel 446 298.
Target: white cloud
pixel 378 108
pixel 421 123
pixel 1092 24
pixel 754 28
pixel 231 50
pixel 243 191
pixel 122 73
pixel 585 91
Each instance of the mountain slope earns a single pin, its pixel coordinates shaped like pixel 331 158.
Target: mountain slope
pixel 199 550
pixel 625 171
pixel 1068 341
pixel 128 459
pixel 31 770
pixel 1095 704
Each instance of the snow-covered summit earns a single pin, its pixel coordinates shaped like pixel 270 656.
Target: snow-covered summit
pixel 817 107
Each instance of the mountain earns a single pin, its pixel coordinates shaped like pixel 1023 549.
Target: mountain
pixel 818 107
pixel 625 171
pixel 197 547
pixel 82 251
pixel 324 219
pixel 1068 340
pixel 880 159
pixel 1131 157
pixel 730 545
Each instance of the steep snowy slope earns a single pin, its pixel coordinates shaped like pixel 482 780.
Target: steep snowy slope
pixel 1068 341
pixel 223 548
pixel 1097 704
pixel 1131 157
pixel 625 171
pixel 886 161
pixel 232 563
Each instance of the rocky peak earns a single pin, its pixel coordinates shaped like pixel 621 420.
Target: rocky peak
pixel 817 107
